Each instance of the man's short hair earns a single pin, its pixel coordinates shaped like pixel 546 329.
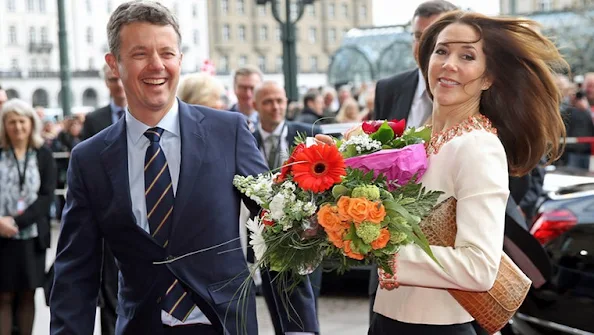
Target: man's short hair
pixel 247 70
pixel 138 11
pixel 434 7
pixel 310 96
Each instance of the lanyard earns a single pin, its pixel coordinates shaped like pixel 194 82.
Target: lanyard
pixel 21 175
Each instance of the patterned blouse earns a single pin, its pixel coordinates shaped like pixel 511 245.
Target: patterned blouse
pixel 9 188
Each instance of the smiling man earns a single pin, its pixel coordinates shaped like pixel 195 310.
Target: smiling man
pixel 145 185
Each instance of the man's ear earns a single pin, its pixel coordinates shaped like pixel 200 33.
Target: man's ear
pixel 112 62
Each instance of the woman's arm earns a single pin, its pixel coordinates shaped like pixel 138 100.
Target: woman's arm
pixel 45 195
pixel 480 180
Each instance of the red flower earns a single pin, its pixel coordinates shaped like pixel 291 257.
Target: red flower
pixel 287 167
pixel 265 221
pixel 318 167
pixel 373 126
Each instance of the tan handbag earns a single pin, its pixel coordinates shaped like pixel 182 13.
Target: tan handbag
pixel 491 309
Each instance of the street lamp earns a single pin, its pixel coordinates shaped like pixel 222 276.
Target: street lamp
pixel 288 39
pixel 64 63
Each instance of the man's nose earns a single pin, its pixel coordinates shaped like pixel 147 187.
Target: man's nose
pixel 156 63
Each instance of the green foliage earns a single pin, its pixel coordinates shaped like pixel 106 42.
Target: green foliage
pixel 301 137
pixel 384 134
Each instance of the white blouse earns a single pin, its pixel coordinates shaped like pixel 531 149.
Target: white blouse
pixel 471 167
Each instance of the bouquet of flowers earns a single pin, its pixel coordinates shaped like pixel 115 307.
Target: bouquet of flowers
pixel 357 201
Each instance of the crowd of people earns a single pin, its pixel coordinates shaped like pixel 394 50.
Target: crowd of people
pixel 456 81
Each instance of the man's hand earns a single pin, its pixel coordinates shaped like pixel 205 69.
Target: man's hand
pixel 7 227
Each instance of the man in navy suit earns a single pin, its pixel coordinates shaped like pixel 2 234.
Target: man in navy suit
pixel 157 187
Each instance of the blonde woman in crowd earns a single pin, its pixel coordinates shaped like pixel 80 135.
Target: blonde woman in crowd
pixel 202 89
pixel 349 112
pixel 27 184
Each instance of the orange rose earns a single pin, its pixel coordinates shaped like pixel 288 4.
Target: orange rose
pixel 328 218
pixel 376 213
pixel 382 240
pixel 358 210
pixel 349 251
pixel 336 237
pixel 343 205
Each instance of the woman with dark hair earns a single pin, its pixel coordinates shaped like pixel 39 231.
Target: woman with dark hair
pixel 27 184
pixel 495 114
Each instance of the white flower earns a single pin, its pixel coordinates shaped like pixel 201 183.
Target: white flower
pixel 362 143
pixel 288 185
pixel 257 240
pixel 309 208
pixel 277 207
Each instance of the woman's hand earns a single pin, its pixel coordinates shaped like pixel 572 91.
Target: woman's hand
pixel 7 227
pixel 324 139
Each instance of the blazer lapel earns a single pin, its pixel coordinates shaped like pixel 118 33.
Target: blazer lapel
pixel 192 150
pixel 258 137
pixel 106 119
pixel 115 159
pixel 405 96
pixel 291 133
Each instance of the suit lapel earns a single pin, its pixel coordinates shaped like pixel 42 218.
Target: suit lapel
pixel 258 137
pixel 193 145
pixel 291 133
pixel 405 96
pixel 106 119
pixel 115 160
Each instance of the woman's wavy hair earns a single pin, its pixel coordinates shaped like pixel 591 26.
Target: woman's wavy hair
pixel 523 100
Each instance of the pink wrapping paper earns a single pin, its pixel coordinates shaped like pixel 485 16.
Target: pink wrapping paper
pixel 398 165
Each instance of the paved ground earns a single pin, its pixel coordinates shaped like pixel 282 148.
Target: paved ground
pixel 338 314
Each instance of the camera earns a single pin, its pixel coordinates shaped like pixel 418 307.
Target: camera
pixel 579 95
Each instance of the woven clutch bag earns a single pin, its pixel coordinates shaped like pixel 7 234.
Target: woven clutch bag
pixel 491 309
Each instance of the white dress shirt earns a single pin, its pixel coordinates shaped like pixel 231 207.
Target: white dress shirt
pixel 171 144
pixel 421 106
pixel 280 130
pixel 472 168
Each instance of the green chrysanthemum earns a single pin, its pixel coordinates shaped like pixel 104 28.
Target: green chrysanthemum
pixel 397 237
pixel 368 232
pixel 369 192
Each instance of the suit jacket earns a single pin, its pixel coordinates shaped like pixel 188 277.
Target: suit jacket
pixel 293 128
pixel 96 121
pixel 215 146
pixel 394 95
pixel 307 116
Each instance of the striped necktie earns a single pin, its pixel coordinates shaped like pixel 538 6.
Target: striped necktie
pixel 159 206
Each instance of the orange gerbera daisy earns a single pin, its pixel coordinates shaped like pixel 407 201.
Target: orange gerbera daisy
pixel 318 168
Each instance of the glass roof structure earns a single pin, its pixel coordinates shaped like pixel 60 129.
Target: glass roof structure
pixel 369 54
pixel 573 33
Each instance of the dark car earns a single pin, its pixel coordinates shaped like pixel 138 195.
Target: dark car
pixel 564 225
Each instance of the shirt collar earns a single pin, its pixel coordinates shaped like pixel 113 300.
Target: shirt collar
pixel 421 87
pixel 280 131
pixel 169 122
pixel 115 108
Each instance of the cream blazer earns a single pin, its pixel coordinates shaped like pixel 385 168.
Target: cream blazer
pixel 471 167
